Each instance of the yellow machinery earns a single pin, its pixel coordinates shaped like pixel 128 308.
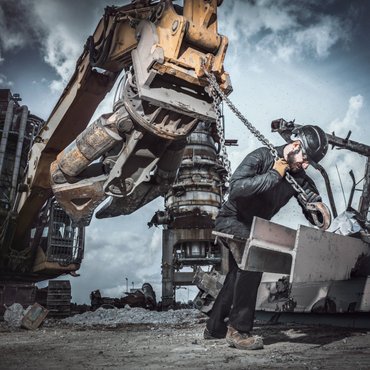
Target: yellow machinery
pixel 131 155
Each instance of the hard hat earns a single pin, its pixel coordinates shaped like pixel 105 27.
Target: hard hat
pixel 314 141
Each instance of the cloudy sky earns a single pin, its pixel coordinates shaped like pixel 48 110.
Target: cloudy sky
pixel 305 60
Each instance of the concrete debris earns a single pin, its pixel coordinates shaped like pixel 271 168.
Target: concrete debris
pixel 345 224
pixel 34 316
pixel 127 315
pixel 13 315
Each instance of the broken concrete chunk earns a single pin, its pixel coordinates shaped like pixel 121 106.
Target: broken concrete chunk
pixel 34 316
pixel 13 315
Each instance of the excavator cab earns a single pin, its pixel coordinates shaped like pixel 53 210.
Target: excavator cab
pixel 61 243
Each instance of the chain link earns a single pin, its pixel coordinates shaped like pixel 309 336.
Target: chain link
pixel 220 132
pixel 218 95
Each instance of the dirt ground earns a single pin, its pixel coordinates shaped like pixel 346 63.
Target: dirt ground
pixel 135 346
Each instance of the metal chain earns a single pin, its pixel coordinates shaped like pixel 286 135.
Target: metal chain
pixel 220 132
pixel 218 95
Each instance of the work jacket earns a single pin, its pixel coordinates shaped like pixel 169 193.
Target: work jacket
pixel 256 189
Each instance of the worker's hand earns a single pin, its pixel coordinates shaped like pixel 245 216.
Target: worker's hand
pixel 311 197
pixel 281 166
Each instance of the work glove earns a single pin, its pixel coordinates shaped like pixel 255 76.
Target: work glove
pixel 311 197
pixel 281 166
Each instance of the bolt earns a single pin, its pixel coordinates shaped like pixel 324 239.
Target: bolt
pixel 114 189
pixel 175 24
pixel 129 183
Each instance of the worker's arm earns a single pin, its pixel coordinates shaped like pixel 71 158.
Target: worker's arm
pixel 251 177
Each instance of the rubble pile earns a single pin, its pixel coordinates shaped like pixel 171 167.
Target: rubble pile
pixel 113 317
pixel 13 315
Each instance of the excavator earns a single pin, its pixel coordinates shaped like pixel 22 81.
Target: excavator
pixel 126 158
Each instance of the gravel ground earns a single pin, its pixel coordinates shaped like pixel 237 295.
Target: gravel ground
pixel 174 340
pixel 113 317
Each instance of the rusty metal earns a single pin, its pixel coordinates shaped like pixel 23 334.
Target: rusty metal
pixel 202 29
pixel 185 247
pixel 320 214
pixel 220 127
pixel 144 297
pixel 58 301
pixel 34 317
pixel 351 145
pixel 328 189
pixel 109 49
pixel 212 282
pixel 140 191
pixel 209 285
pixel 165 46
pixel 126 173
pixel 18 130
pixel 164 122
pixel 80 201
pixel 192 204
pixel 364 203
pixel 5 131
pixel 195 37
pixel 18 153
pixel 166 119
pixel 97 139
pixel 330 296
pixel 200 182
pixel 58 245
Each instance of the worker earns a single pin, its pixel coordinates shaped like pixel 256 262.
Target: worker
pixel 258 188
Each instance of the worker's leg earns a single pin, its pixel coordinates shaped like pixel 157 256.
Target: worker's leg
pixel 216 325
pixel 244 300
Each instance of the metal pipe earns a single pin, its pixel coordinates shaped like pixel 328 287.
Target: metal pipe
pixel 328 189
pixel 365 197
pixel 353 146
pixel 6 128
pixel 18 152
pixel 96 139
pixel 349 205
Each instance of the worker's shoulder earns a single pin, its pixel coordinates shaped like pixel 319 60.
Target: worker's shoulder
pixel 261 152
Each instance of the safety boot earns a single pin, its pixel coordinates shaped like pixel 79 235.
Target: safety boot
pixel 208 335
pixel 243 340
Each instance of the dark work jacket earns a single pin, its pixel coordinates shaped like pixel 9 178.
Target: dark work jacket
pixel 258 190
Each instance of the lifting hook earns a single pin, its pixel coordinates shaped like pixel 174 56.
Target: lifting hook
pixel 320 214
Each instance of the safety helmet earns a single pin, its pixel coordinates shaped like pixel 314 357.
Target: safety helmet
pixel 314 141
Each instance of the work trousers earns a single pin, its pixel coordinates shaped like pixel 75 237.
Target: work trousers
pixel 236 301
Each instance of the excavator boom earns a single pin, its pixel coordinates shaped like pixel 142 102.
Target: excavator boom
pixel 164 50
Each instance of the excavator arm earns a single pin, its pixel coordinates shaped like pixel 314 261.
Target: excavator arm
pixel 132 154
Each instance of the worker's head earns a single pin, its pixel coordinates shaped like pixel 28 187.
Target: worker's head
pixel 309 145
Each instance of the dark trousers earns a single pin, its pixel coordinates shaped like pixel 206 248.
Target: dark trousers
pixel 236 300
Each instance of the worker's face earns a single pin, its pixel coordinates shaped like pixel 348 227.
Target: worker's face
pixel 296 158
